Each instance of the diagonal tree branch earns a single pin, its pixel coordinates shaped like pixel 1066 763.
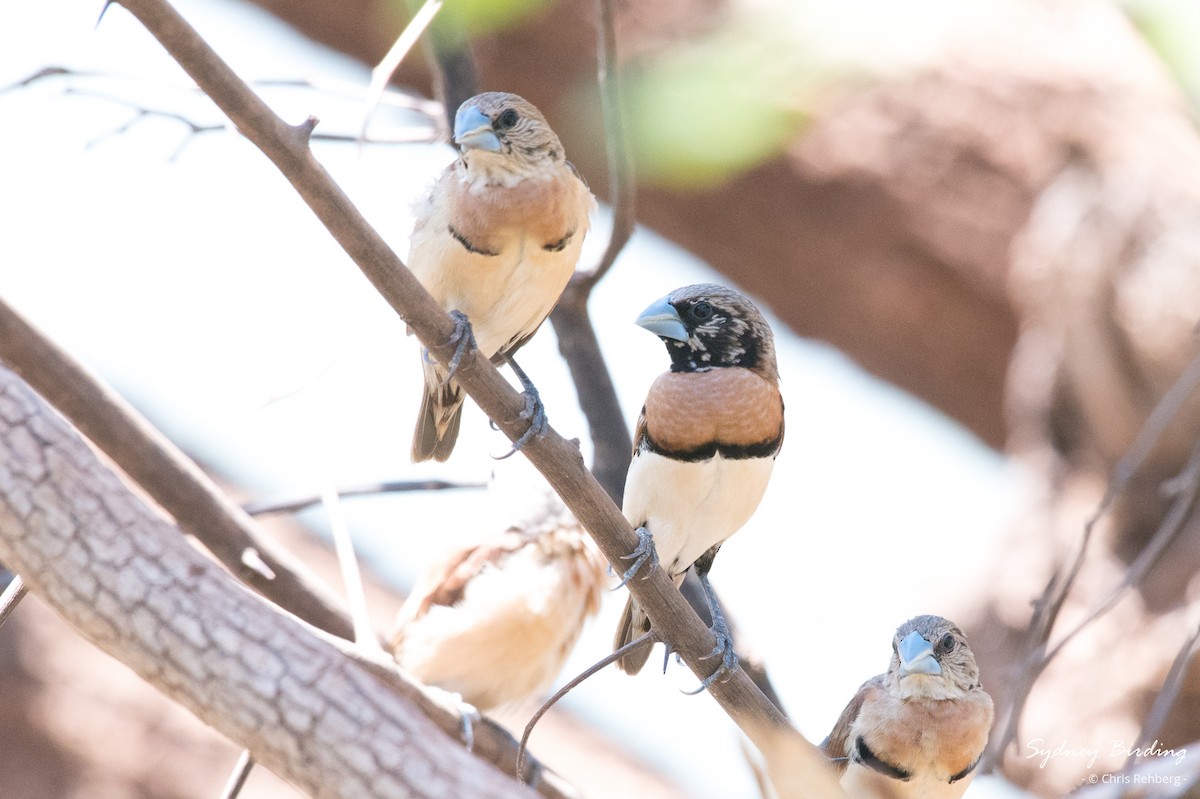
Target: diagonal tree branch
pixel 128 581
pixel 556 458
pixel 169 476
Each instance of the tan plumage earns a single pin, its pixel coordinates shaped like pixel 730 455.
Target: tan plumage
pixel 495 621
pixel 911 733
pixel 497 240
pixel 707 437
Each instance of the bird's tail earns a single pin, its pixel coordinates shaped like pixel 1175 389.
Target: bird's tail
pixel 633 623
pixel 441 412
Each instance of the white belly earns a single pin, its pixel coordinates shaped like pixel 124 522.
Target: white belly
pixel 690 507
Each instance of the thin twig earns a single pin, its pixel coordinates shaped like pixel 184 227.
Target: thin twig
pixel 648 638
pixel 622 186
pixel 1181 508
pixel 168 475
pixel 381 75
pixel 577 341
pixel 556 458
pixel 266 507
pixel 1038 652
pixel 241 773
pixel 12 596
pixel 356 595
pixel 1167 695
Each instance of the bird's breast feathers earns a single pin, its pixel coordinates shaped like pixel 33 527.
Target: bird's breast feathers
pixel 692 414
pixel 488 256
pixel 549 208
pixel 932 740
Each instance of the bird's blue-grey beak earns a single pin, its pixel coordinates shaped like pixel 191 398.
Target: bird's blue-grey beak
pixel 662 319
pixel 473 130
pixel 916 656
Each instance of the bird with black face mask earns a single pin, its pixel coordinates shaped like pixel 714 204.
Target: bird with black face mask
pixel 495 243
pixel 918 731
pixel 704 446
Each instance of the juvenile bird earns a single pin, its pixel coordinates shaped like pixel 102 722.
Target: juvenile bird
pixel 920 729
pixel 495 243
pixel 494 622
pixel 704 446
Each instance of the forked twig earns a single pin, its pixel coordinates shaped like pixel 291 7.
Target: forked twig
pixel 1038 651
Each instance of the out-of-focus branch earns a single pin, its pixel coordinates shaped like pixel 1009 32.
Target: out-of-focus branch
pixel 266 507
pixel 556 458
pixel 622 186
pixel 1167 695
pixel 1038 651
pixel 167 475
pixel 577 342
pixel 12 596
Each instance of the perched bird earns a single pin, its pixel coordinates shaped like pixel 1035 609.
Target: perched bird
pixel 704 446
pixel 920 729
pixel 495 621
pixel 495 242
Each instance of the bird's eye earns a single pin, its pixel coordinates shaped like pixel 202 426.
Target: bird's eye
pixel 947 644
pixel 507 119
pixel 702 311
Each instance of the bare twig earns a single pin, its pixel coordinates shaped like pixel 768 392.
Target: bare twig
pixel 1179 512
pixel 556 458
pixel 12 596
pixel 241 773
pixel 381 75
pixel 266 507
pixel 1167 695
pixel 1038 652
pixel 169 476
pixel 646 639
pixel 577 342
pixel 401 135
pixel 364 633
pixel 622 187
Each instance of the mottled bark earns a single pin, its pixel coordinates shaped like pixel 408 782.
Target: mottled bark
pixel 128 581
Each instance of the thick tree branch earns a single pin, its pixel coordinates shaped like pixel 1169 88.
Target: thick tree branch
pixel 128 581
pixel 167 475
pixel 557 459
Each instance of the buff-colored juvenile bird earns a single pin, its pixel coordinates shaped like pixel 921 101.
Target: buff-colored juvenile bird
pixel 918 731
pixel 494 622
pixel 705 444
pixel 496 242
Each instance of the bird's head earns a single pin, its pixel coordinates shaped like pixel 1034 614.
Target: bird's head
pixel 931 659
pixel 501 127
pixel 707 326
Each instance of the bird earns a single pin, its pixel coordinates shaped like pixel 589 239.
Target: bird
pixel 494 621
pixel 495 243
pixel 704 446
pixel 918 730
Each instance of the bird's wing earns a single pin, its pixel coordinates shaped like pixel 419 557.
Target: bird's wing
pixel 837 743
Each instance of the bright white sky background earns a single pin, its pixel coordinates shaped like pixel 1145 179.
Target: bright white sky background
pixel 202 288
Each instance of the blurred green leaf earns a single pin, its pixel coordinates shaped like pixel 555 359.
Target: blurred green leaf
pixel 713 108
pixel 478 17
pixel 1172 29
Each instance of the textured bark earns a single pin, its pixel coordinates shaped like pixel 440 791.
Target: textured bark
pixel 128 581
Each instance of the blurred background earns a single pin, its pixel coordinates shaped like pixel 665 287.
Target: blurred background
pixel 975 228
